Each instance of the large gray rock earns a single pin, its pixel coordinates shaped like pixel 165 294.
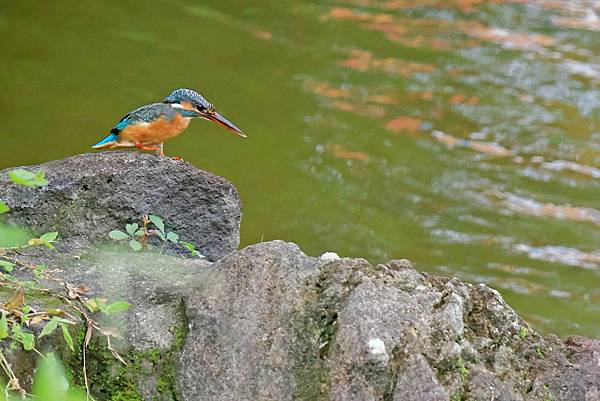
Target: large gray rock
pixel 91 194
pixel 269 323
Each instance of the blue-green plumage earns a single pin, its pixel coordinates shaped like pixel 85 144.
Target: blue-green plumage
pixel 145 115
pixel 108 139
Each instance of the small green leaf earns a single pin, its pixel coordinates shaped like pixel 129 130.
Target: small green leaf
pixel 116 307
pixel 26 309
pixel 131 228
pixel 30 284
pixel 3 327
pixel 136 246
pixel 49 327
pixel 158 222
pixel 28 340
pixel 27 178
pixel 117 235
pixel 139 233
pixel 192 248
pixel 67 336
pixel 188 245
pixel 173 237
pixel 93 305
pixel 160 235
pixel 50 382
pixel 39 271
pixel 7 266
pixel 3 207
pixel 49 237
pixel 16 329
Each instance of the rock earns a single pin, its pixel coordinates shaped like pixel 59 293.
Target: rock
pixel 246 345
pixel 418 382
pixel 299 328
pixel 268 322
pixel 329 256
pixel 91 194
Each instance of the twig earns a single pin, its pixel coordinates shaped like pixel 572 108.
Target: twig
pixel 114 352
pixel 13 383
pixel 86 341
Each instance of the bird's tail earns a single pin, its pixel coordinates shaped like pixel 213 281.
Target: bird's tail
pixel 106 142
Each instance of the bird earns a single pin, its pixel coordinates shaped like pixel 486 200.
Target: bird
pixel 149 126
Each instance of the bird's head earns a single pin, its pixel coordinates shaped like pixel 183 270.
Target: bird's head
pixel 192 100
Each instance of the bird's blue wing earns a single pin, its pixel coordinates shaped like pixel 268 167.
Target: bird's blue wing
pixel 146 114
pixel 124 122
pixel 152 112
pixel 155 111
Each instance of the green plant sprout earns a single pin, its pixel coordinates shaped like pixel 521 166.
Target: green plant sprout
pixel 191 248
pixel 523 333
pixel 151 226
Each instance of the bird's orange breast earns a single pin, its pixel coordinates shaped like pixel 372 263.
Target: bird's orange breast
pixel 155 132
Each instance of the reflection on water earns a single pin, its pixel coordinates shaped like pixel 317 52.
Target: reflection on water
pixel 461 134
pixel 518 101
pixel 532 207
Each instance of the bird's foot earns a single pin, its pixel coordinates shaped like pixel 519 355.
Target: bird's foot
pixel 160 150
pixel 177 158
pixel 144 147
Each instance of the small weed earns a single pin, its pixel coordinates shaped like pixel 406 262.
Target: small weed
pixel 456 397
pixel 151 226
pixel 191 248
pixel 101 304
pixel 523 333
pixel 46 240
pixel 548 396
pixel 538 350
pixel 462 369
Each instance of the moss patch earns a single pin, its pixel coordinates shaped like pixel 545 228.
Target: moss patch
pixel 147 374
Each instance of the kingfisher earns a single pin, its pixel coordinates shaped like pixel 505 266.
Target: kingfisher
pixel 148 127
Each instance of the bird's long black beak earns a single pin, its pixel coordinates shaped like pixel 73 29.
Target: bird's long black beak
pixel 219 119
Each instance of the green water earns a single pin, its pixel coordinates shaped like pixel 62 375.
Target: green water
pixel 462 135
